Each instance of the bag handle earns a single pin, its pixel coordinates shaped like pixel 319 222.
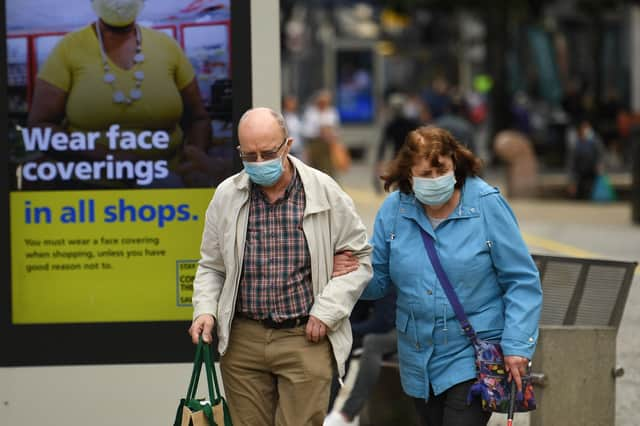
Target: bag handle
pixel 195 374
pixel 447 287
pixel 203 355
pixel 211 375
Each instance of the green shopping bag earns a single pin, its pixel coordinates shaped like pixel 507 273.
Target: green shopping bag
pixel 201 412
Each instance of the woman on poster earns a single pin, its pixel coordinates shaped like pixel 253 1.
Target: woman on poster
pixel 115 71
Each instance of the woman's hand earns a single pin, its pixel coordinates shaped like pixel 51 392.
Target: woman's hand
pixel 517 367
pixel 343 263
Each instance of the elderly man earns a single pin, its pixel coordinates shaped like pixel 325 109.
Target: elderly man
pixel 265 279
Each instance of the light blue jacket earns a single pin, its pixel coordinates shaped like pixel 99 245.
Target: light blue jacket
pixel 487 262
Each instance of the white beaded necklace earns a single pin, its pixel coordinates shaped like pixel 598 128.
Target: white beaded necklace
pixel 109 78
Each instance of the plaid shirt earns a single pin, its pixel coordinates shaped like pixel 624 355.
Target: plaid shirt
pixel 276 273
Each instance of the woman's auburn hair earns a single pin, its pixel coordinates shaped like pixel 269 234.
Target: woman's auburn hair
pixel 429 142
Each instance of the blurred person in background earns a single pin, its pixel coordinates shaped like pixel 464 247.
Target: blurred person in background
pixel 455 121
pixel 294 125
pixel 320 126
pixel 437 97
pixel 574 102
pixel 416 109
pixel 521 113
pixel 610 110
pixel 114 71
pixel 586 161
pixel 374 337
pixel 394 133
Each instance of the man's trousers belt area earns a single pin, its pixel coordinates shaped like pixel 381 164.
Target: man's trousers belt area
pixel 269 323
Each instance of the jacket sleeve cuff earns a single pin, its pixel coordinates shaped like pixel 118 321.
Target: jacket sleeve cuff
pixel 522 349
pixel 204 308
pixel 330 317
pixel 518 347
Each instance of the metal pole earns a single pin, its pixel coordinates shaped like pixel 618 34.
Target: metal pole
pixel 634 31
pixel 635 171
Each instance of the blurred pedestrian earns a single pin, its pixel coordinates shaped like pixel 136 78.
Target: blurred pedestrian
pixel 607 126
pixel 320 128
pixel 394 133
pixel 437 97
pixel 294 125
pixel 585 161
pixel 574 102
pixel 416 109
pixel 521 113
pixel 455 121
pixel 377 337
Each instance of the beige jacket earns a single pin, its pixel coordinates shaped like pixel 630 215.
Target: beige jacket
pixel 330 224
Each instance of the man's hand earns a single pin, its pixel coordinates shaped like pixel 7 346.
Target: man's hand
pixel 516 366
pixel 343 263
pixel 316 329
pixel 202 325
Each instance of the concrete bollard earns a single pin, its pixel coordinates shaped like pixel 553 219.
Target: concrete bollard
pixel 515 149
pixel 578 364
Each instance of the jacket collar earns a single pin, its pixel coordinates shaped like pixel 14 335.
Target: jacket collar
pixel 316 197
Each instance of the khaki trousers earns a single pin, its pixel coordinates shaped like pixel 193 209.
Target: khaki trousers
pixel 275 377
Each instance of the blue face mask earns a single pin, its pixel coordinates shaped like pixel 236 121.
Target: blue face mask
pixel 264 173
pixel 434 191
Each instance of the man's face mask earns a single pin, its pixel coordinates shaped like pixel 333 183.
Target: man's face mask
pixel 118 13
pixel 264 173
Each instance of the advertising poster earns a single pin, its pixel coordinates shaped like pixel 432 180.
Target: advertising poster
pixel 355 95
pixel 119 131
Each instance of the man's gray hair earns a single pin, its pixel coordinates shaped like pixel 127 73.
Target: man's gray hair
pixel 276 115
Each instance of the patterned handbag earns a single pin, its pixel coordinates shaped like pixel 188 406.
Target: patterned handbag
pixel 491 385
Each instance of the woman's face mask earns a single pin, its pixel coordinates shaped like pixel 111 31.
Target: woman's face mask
pixel 434 191
pixel 118 13
pixel 264 173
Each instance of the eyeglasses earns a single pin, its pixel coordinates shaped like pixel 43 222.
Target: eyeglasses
pixel 252 157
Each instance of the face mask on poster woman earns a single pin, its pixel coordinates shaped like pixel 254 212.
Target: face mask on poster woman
pixel 117 13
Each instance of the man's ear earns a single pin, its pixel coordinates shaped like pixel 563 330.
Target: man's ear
pixel 288 144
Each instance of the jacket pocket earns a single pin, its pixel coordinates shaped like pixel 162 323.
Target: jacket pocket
pixel 407 330
pixel 402 320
